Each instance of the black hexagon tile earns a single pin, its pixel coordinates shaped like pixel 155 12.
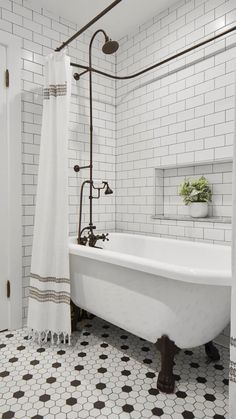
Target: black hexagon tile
pixel 106 374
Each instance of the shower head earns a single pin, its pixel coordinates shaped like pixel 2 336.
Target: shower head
pixel 108 190
pixel 110 47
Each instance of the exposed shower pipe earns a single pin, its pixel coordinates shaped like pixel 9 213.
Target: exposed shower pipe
pixel 91 239
pixel 83 29
pixel 109 47
pixel 152 67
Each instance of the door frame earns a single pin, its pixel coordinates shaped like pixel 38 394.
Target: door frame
pixel 13 47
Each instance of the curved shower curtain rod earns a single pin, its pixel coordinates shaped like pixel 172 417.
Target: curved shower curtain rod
pixel 179 54
pixel 84 28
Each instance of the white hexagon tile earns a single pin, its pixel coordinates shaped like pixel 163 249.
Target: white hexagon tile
pixel 106 373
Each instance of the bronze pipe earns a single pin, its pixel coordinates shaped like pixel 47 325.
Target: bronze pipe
pixel 91 123
pixel 83 29
pixel 80 209
pixel 152 67
pixel 110 47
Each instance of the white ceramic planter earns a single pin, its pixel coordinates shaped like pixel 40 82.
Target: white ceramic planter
pixel 198 209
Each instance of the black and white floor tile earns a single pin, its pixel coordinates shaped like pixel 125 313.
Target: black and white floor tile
pixel 105 373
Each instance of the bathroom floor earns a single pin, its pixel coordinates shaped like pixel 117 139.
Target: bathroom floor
pixel 105 373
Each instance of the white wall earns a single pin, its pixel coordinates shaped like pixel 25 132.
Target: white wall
pixel 180 114
pixel 168 200
pixel 40 32
pixel 163 118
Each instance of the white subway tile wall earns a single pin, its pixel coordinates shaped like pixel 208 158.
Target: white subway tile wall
pixel 180 114
pixel 168 181
pixel 41 32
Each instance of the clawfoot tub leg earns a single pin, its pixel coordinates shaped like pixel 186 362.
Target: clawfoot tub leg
pixel 212 352
pixel 74 311
pixel 168 350
pixel 77 314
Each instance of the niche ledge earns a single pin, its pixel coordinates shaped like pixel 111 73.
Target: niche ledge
pixel 221 220
pixel 170 206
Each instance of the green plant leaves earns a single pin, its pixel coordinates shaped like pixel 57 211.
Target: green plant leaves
pixel 195 191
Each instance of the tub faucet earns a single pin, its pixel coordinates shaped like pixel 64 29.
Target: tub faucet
pixel 90 238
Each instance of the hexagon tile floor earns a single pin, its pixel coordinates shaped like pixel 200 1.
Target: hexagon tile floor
pixel 105 373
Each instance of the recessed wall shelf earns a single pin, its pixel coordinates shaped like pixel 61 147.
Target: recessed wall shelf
pixel 221 220
pixel 170 206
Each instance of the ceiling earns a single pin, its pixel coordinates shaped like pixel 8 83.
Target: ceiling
pixel 120 21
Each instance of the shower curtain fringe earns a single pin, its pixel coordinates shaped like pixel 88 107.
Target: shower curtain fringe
pixel 45 336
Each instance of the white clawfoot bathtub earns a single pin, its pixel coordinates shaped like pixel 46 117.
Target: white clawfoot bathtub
pixel 154 286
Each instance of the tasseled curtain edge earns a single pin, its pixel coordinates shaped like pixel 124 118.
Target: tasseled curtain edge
pixel 55 337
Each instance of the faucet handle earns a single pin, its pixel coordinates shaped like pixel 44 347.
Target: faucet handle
pixel 105 237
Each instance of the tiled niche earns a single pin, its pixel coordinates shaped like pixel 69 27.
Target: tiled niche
pixel 168 203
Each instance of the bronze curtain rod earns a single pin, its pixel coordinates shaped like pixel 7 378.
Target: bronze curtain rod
pixel 95 19
pixel 179 54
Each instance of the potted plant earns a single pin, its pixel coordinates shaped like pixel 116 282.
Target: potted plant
pixel 196 194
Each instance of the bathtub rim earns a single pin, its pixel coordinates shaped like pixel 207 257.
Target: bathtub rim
pixel 175 272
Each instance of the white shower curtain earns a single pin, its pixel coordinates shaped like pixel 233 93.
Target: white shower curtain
pixel 49 292
pixel 232 367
